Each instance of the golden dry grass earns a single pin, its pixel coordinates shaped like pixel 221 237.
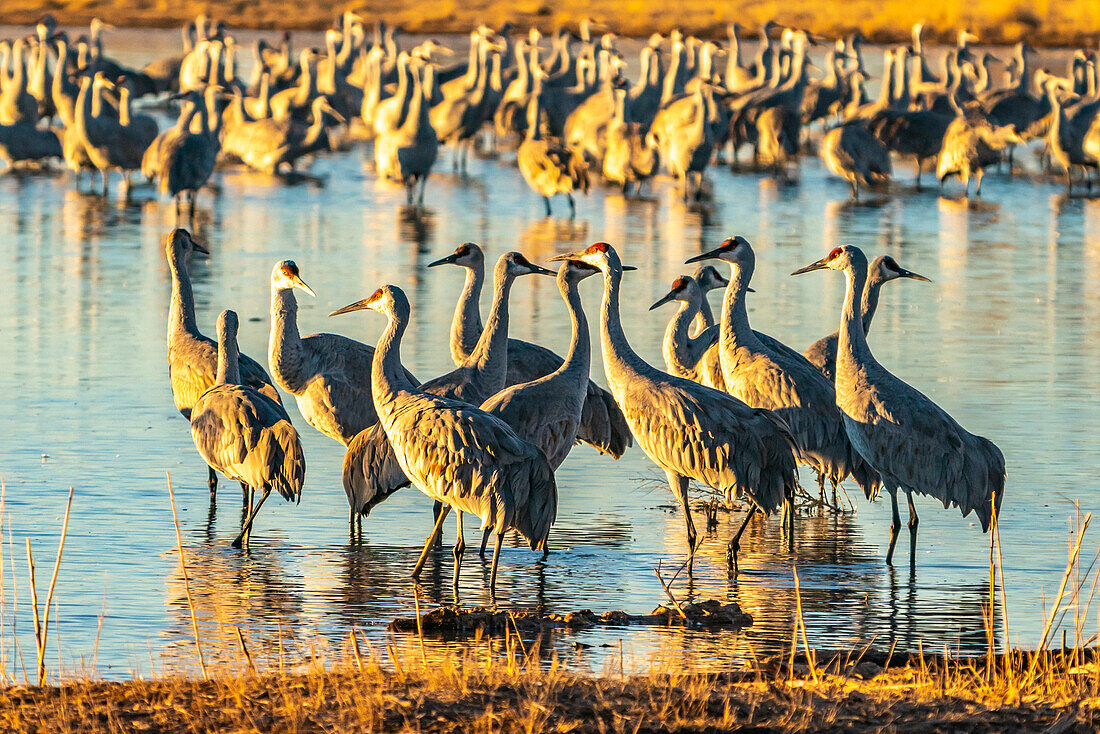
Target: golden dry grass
pixel 997 21
pixel 503 693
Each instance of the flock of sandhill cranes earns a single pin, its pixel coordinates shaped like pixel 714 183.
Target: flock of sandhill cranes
pixel 571 110
pixel 736 411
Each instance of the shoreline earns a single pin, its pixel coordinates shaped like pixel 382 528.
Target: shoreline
pixel 1069 23
pixel 517 691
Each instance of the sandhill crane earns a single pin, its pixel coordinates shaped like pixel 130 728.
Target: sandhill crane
pixel 1065 141
pixel 150 161
pixel 780 380
pixel 918 133
pixel 63 90
pixel 24 143
pixel 739 76
pixel 602 426
pixel 630 158
pixel 689 430
pixel 683 133
pixel 822 353
pixel 192 357
pixel 328 375
pixel 458 116
pixel 407 153
pixel 274 146
pixel 547 167
pixel 369 475
pixel 187 159
pixel 246 435
pixel 909 440
pixel 684 353
pixel 110 143
pixel 853 153
pixel 547 412
pixel 16 103
pixel 455 453
pixel 970 144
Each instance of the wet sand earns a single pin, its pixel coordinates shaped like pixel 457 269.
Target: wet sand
pixel 1068 22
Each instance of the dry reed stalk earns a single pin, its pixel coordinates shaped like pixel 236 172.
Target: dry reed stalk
pixel 49 594
pixel 244 650
pixel 186 581
pixel 801 622
pixel 668 591
pixel 34 603
pixel 419 625
pixel 1074 554
pixel 355 650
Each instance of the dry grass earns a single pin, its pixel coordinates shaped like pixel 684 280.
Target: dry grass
pixel 513 692
pixel 997 21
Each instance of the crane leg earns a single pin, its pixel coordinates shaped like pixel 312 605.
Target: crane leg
pixel 212 482
pixel 459 550
pixel 445 509
pixel 914 521
pixel 679 486
pixel 246 496
pixel 496 560
pixel 485 541
pixel 423 185
pixel 821 487
pixel 918 173
pixel 735 545
pixel 246 531
pixel 572 206
pixel 978 190
pixel 436 509
pixel 546 201
pixel 895 526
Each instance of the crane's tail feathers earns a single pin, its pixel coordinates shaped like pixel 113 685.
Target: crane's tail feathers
pixel 281 448
pixel 371 472
pixel 603 425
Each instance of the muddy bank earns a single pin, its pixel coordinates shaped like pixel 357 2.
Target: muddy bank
pixel 1068 22
pixel 455 621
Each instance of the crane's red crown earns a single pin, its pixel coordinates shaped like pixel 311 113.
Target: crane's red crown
pixel 599 247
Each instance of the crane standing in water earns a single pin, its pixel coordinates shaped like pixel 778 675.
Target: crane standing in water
pixel 909 440
pixel 246 435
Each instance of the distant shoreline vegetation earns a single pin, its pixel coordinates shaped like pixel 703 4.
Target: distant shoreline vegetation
pixel 1065 23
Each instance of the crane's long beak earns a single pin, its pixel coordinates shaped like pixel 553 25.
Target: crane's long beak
pixel 819 265
pixel 299 283
pixel 710 255
pixel 664 299
pixel 539 270
pixel 910 274
pixel 579 255
pixel 357 306
pixel 449 260
pixel 199 246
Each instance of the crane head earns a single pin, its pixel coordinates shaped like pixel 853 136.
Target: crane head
pixel 709 279
pixel 516 265
pixel 684 289
pixel 227 325
pixel 285 276
pixel 887 268
pixel 601 256
pixel 467 255
pixel 389 300
pixel 180 240
pixel 839 258
pixel 732 250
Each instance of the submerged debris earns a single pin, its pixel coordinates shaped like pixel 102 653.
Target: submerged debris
pixel 450 619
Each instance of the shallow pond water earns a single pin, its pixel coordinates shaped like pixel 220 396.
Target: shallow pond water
pixel 1005 338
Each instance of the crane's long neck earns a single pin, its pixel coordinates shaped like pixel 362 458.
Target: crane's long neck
pixel 466 326
pixel 316 129
pixel 387 375
pixel 870 301
pixel 578 361
pixel 676 347
pixel 284 343
pixel 229 370
pixel 491 353
pixel 704 317
pixel 621 364
pixel 124 106
pixel 852 349
pixel 735 330
pixel 181 309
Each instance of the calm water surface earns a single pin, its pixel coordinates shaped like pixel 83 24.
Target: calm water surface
pixel 1005 339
